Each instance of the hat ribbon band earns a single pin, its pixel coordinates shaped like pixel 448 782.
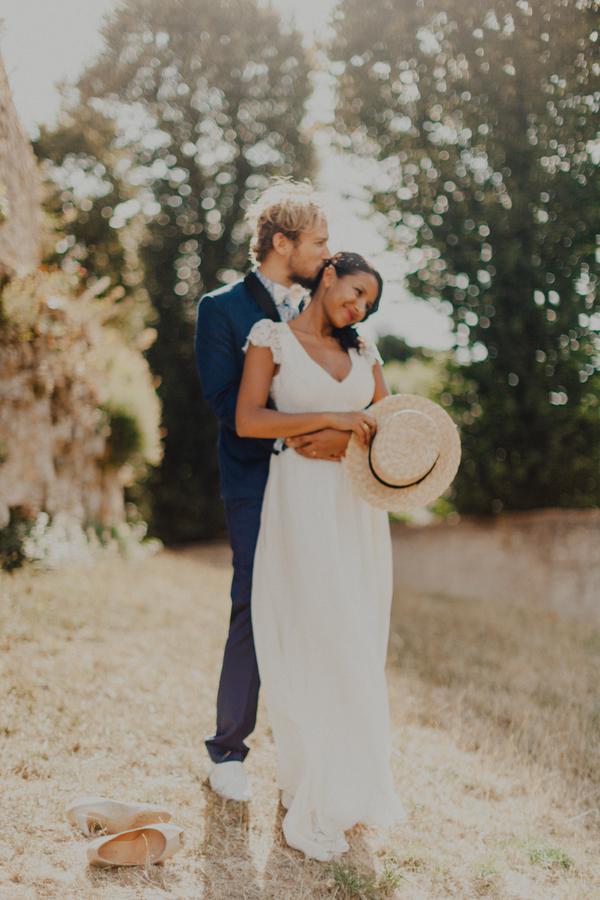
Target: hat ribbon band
pixel 398 487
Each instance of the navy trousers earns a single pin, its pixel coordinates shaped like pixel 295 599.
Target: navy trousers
pixel 237 697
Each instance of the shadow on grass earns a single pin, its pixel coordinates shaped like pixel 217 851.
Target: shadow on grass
pixel 162 877
pixel 228 865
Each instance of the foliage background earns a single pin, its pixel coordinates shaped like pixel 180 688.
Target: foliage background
pixel 483 117
pixel 478 124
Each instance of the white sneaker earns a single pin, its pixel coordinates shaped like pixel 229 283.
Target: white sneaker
pixel 287 798
pixel 229 779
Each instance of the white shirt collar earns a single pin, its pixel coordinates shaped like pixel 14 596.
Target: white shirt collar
pixel 280 292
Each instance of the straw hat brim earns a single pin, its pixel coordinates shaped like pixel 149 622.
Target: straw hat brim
pixel 404 499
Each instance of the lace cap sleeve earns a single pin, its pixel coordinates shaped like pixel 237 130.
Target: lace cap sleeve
pixel 265 333
pixel 369 350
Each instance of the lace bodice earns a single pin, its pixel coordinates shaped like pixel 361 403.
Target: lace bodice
pixel 302 384
pixel 266 333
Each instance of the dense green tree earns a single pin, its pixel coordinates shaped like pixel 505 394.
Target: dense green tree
pixel 83 188
pixel 189 110
pixel 396 349
pixel 483 119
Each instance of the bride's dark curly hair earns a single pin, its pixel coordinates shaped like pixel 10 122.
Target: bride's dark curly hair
pixel 348 264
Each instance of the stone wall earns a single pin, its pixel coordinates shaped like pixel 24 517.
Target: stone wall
pixel 52 435
pixel 63 371
pixel 549 557
pixel 19 191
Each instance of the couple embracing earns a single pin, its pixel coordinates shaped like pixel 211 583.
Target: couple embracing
pixel 291 383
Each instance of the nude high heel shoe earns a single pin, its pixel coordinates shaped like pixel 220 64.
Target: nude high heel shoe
pixel 136 847
pixel 113 816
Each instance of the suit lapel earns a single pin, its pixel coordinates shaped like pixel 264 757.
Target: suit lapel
pixel 262 296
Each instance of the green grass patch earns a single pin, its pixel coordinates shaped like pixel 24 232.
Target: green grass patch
pixel 361 885
pixel 550 858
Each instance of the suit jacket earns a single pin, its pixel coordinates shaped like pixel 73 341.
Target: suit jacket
pixel 223 321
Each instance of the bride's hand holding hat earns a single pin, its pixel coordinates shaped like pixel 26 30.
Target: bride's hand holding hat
pixel 412 458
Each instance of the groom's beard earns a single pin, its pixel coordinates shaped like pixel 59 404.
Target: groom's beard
pixel 305 281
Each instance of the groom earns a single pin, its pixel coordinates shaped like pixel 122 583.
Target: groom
pixel 288 248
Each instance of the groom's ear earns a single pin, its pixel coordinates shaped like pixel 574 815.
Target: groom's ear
pixel 281 243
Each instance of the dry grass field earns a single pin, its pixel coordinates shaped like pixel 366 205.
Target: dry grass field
pixel 108 680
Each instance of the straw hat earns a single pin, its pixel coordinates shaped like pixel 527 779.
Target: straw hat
pixel 413 456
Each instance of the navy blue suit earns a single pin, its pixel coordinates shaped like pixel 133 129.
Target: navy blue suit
pixel 224 318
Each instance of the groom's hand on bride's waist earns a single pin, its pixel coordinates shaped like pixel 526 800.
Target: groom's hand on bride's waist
pixel 326 444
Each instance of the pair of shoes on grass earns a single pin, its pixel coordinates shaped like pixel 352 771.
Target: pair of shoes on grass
pixel 138 834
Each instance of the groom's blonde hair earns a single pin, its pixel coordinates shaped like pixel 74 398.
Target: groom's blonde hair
pixel 287 206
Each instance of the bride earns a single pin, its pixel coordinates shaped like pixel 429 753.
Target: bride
pixel 322 577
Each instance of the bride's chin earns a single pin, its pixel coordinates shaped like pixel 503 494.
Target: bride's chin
pixel 340 321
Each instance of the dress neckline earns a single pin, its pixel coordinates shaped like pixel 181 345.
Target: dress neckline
pixel 318 365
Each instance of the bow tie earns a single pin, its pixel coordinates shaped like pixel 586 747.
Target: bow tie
pixel 289 300
pixel 291 295
pixel 285 307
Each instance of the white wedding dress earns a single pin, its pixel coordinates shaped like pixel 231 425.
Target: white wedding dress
pixel 321 597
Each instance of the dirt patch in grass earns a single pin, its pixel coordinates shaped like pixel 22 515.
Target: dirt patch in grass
pixel 108 679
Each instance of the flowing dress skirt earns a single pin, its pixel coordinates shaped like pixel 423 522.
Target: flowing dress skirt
pixel 321 598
